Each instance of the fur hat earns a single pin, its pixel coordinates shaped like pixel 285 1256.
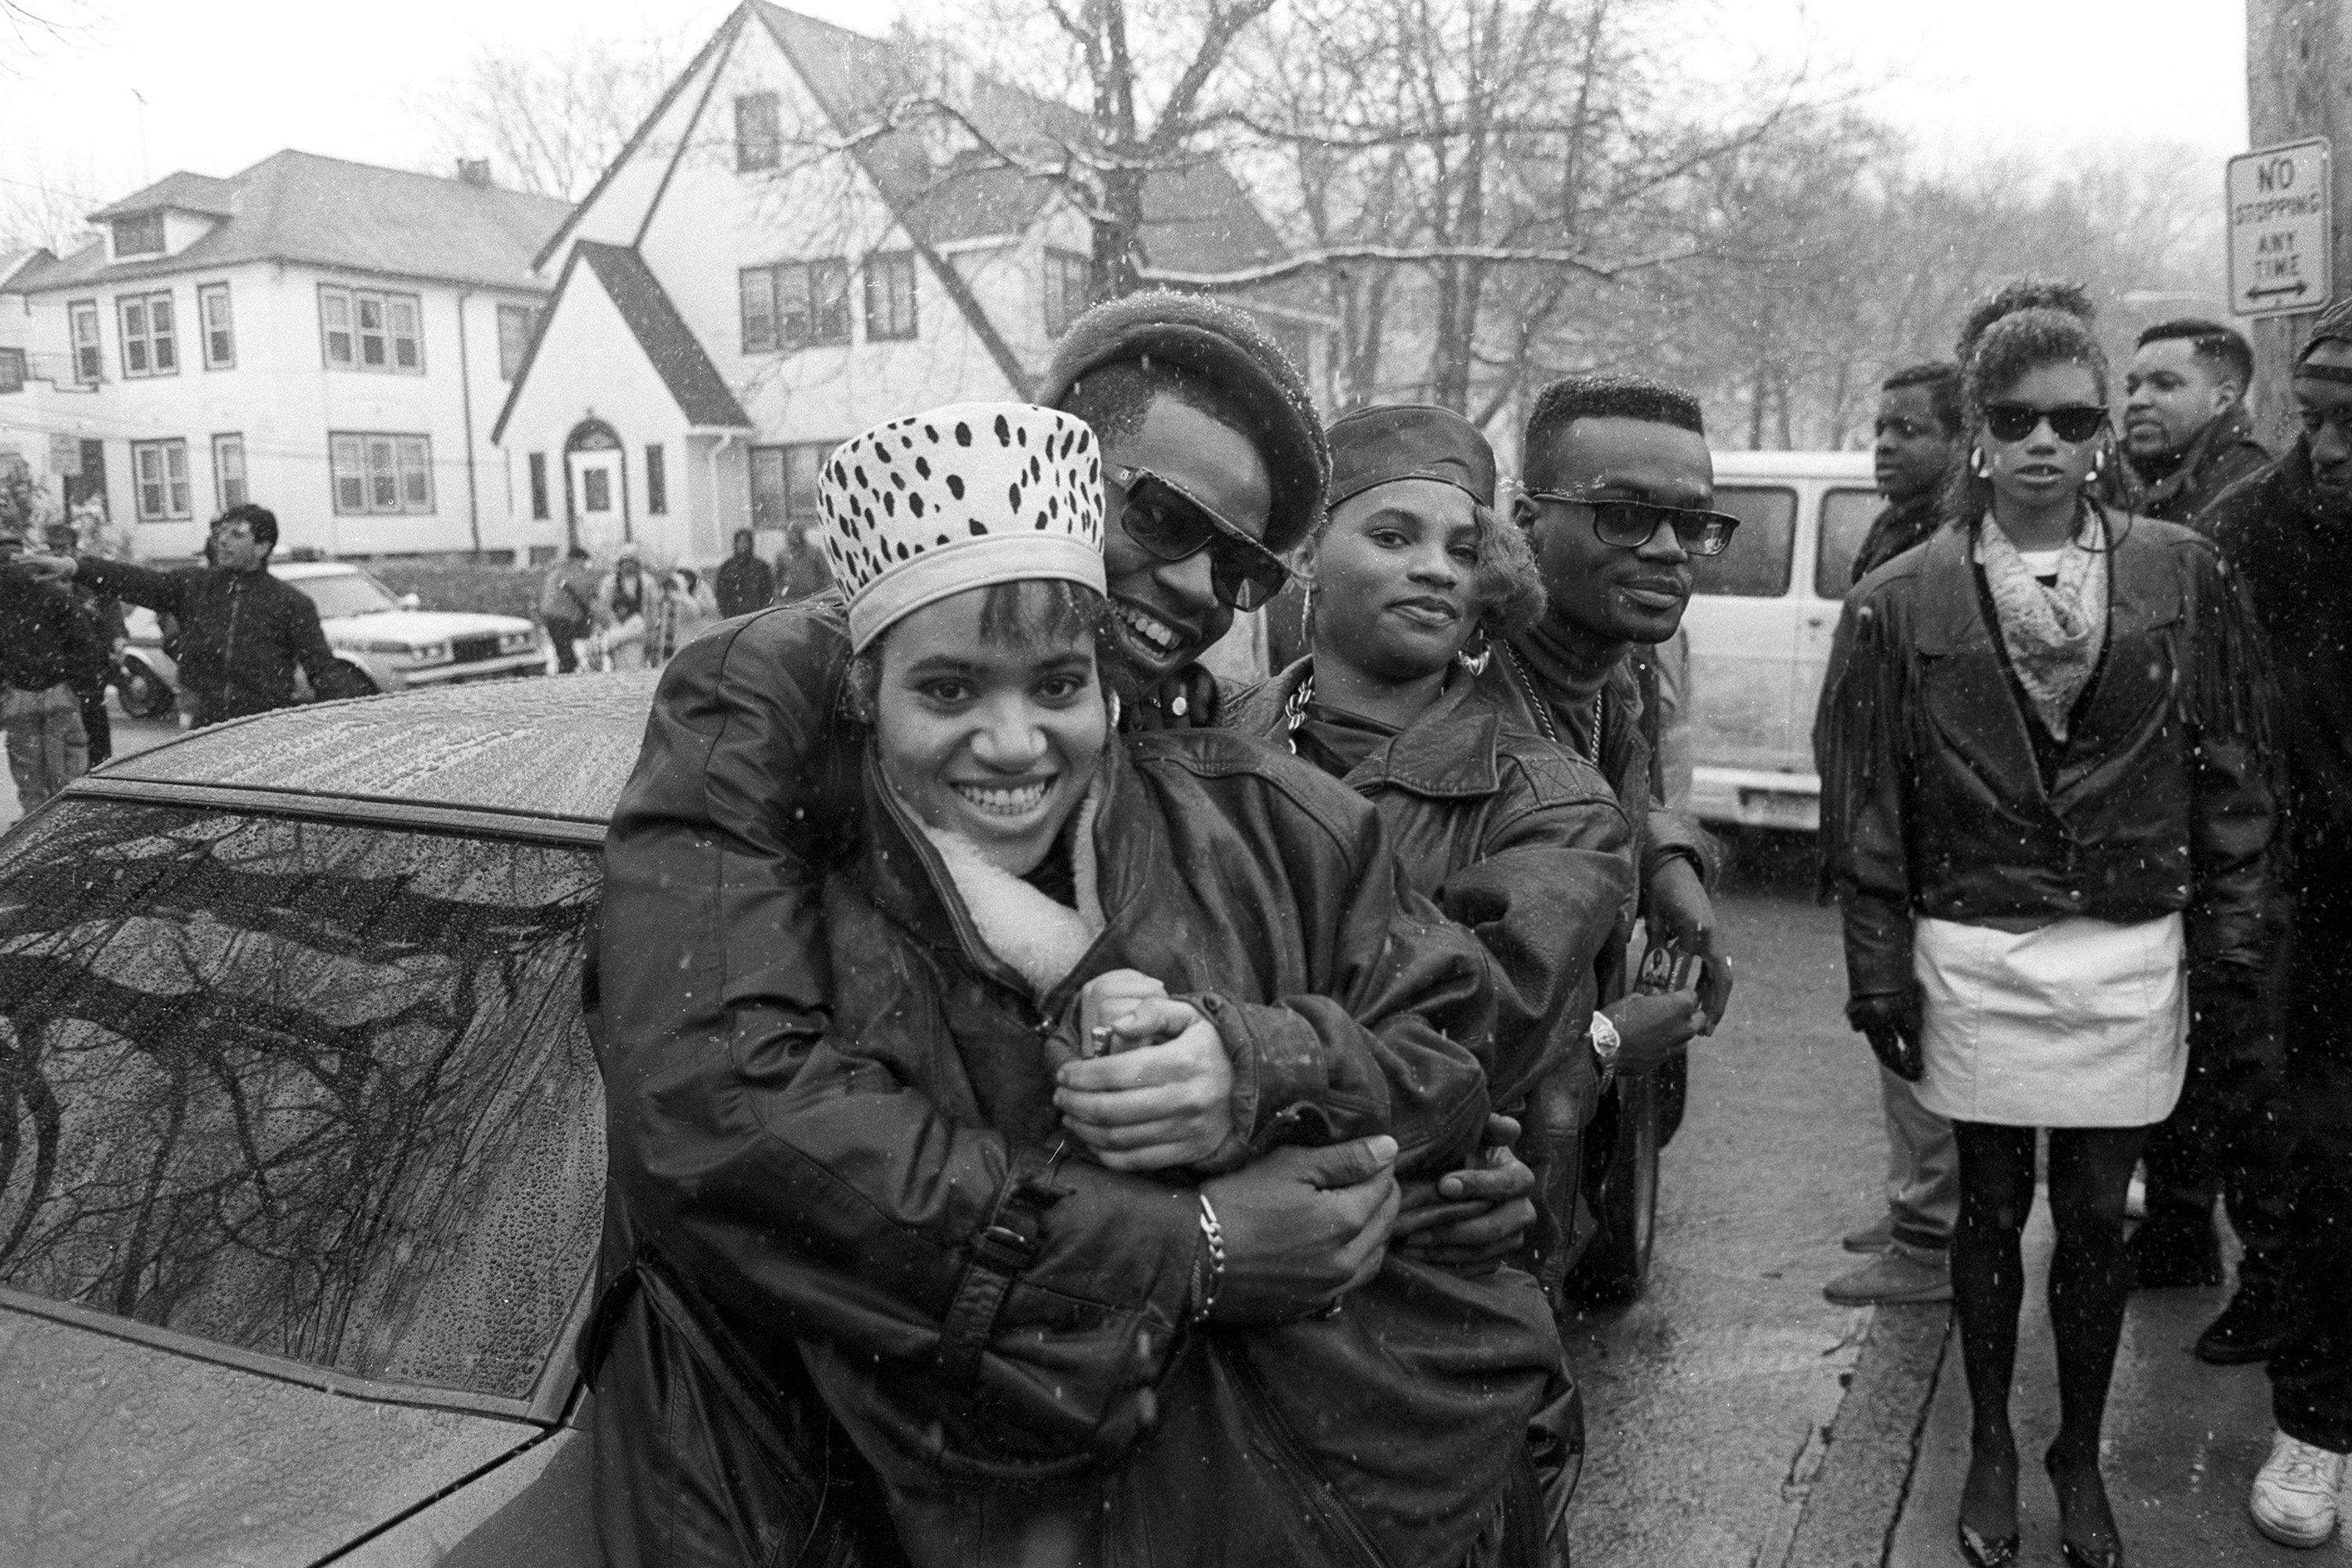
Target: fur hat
pixel 927 507
pixel 1228 348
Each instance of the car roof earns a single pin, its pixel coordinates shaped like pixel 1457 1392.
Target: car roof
pixel 290 569
pixel 546 747
pixel 1793 465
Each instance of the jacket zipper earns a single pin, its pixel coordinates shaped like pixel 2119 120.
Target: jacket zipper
pixel 1292 1458
pixel 228 646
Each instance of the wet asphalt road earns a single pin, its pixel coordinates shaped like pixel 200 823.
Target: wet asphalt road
pixel 1706 1400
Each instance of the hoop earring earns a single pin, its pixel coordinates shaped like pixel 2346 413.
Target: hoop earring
pixel 1977 463
pixel 1306 608
pixel 1475 663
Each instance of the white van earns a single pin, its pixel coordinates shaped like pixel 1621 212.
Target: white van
pixel 1761 619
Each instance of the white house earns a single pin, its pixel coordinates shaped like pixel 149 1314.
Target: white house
pixel 329 339
pixel 766 270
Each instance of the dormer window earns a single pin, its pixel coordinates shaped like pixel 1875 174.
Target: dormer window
pixel 140 236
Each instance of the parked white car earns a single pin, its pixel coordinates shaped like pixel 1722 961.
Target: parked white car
pixel 395 644
pixel 1761 619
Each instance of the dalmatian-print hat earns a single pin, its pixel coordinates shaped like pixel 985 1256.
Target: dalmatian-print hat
pixel 962 496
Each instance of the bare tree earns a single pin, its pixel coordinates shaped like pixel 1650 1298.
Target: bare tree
pixel 551 121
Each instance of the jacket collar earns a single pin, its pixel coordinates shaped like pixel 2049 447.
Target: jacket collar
pixel 901 869
pixel 1448 753
pixel 2234 429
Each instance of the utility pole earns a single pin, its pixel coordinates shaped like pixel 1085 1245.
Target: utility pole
pixel 2298 85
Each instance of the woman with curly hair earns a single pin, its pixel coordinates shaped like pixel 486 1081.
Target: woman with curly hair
pixel 2048 817
pixel 1413 579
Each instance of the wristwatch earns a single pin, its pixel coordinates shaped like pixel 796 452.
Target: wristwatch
pixel 1607 1043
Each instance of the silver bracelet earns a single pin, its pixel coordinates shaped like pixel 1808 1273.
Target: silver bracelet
pixel 1214 1233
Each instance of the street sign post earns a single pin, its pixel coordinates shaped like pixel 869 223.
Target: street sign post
pixel 2279 235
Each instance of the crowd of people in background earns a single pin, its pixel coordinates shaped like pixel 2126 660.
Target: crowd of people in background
pixel 631 617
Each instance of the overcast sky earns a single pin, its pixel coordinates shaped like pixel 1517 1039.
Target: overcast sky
pixel 227 82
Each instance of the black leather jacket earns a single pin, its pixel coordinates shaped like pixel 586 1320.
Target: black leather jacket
pixel 2161 801
pixel 242 633
pixel 1525 843
pixel 831 1167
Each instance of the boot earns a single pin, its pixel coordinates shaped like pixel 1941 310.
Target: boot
pixel 2250 1328
pixel 2172 1250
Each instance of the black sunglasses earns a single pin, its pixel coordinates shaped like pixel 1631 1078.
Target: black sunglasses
pixel 1631 524
pixel 2074 424
pixel 1173 525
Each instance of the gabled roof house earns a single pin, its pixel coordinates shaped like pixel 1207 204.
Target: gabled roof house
pixel 329 339
pixel 775 262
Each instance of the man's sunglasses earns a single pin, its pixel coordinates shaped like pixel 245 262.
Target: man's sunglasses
pixel 1631 524
pixel 1166 521
pixel 2074 424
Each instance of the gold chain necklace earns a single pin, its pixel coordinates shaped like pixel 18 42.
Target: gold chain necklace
pixel 1535 697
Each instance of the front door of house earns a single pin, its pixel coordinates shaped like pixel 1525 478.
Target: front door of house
pixel 597 479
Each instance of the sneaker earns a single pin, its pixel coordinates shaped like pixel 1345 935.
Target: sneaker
pixel 1899 1274
pixel 1873 1238
pixel 2293 1501
pixel 2248 1328
pixel 2170 1251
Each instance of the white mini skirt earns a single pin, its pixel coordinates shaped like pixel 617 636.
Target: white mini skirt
pixel 2080 1024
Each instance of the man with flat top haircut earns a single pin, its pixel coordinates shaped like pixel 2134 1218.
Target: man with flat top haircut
pixel 2187 432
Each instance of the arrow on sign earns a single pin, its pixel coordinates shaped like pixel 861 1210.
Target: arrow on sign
pixel 2298 288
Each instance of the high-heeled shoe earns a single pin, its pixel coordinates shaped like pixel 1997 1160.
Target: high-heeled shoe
pixel 2109 1556
pixel 1983 1553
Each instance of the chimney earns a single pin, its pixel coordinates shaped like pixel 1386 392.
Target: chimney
pixel 475 172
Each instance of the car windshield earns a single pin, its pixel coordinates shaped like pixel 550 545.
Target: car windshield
pixel 315 1090
pixel 347 594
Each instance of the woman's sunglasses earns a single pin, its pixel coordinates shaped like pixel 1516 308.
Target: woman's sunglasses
pixel 1172 525
pixel 1631 524
pixel 2074 424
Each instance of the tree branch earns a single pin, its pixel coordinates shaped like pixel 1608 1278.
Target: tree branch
pixel 1410 255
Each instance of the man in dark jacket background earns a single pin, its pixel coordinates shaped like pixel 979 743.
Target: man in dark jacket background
pixel 2287 536
pixel 242 631
pixel 744 582
pixel 104 617
pixel 44 644
pixel 1914 444
pixel 2187 434
pixel 1918 438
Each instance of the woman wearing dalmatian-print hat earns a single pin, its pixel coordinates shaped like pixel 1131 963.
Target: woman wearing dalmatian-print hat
pixel 1108 1009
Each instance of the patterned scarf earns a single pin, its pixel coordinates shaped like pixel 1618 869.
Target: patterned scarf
pixel 2053 635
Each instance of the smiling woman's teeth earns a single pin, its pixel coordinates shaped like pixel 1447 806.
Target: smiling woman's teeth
pixel 1005 802
pixel 1150 628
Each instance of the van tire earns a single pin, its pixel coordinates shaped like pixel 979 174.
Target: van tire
pixel 1624 1201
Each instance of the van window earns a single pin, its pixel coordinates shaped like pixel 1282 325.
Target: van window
pixel 1757 565
pixel 1846 517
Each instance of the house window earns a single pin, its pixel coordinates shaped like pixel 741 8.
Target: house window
pixel 890 296
pixel 1068 281
pixel 12 370
pixel 219 331
pixel 657 480
pixel 783 484
pixel 539 485
pixel 362 328
pixel 759 139
pixel 151 344
pixel 377 472
pixel 159 472
pixel 141 236
pixel 88 364
pixel 515 322
pixel 795 304
pixel 228 471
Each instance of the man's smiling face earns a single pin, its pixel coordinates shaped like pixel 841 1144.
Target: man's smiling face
pixel 1164 614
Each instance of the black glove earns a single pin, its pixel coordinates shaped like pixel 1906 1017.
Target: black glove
pixel 1890 1023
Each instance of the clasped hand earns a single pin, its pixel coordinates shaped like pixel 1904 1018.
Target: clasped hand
pixel 1160 1094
